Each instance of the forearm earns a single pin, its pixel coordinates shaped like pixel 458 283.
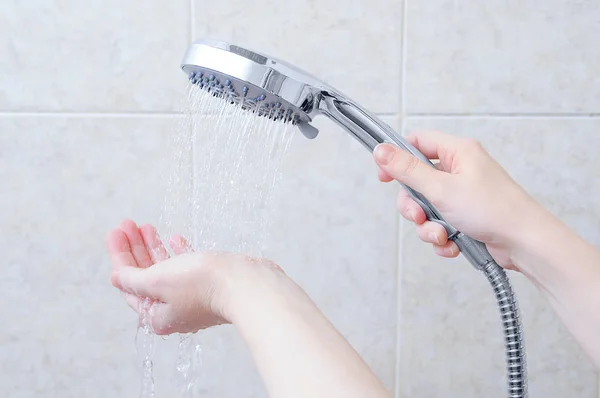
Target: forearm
pixel 297 350
pixel 567 270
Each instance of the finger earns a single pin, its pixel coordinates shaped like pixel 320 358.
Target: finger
pixel 180 245
pixel 409 209
pixel 137 281
pixel 160 319
pixel 153 243
pixel 383 177
pixel 409 170
pixel 119 250
pixel 138 248
pixel 132 301
pixel 432 232
pixel 436 145
pixel 449 250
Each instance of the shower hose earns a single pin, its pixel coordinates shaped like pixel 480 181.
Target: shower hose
pixel 513 334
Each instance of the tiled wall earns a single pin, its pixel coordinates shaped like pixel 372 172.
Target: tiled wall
pixel 90 91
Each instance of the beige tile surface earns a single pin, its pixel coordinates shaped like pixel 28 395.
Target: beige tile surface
pixel 355 47
pixel 451 341
pixel 65 183
pixel 93 56
pixel 68 180
pixel 502 57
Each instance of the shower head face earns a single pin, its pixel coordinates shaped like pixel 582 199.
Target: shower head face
pixel 270 87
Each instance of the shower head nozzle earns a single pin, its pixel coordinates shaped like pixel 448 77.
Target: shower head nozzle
pixel 268 86
pixel 281 92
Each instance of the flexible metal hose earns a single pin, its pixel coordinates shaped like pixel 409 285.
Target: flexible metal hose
pixel 513 333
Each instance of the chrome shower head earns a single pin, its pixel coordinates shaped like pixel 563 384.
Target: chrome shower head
pixel 282 92
pixel 268 86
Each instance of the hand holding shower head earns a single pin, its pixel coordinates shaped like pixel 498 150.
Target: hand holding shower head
pixel 282 92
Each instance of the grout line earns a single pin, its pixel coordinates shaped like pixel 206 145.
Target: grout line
pixel 399 268
pixel 503 115
pixel 386 114
pixel 565 116
pixel 399 265
pixel 403 50
pixel 192 20
pixel 90 114
pixel 399 222
pixel 398 351
pixel 124 114
pixel 398 364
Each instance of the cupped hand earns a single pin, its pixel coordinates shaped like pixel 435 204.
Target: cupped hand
pixel 184 291
pixel 469 188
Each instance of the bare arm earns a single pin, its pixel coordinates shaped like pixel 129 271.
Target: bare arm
pixel 477 196
pixel 297 350
pixel 566 269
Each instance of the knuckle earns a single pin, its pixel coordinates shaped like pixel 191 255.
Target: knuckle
pixel 115 279
pixel 162 330
pixel 407 164
pixel 402 204
pixel 473 145
pixel 436 194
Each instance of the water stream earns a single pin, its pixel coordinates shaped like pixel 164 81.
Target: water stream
pixel 222 167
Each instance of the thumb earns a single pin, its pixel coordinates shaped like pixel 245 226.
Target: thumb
pixel 136 281
pixel 408 169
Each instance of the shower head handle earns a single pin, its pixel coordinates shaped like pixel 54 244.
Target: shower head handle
pixel 281 91
pixel 370 132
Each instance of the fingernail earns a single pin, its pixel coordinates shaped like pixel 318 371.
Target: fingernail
pixel 433 237
pixel 384 153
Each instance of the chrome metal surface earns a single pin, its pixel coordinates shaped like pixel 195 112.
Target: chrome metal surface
pixel 280 91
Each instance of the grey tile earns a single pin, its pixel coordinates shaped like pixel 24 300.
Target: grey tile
pixel 502 57
pixel 97 56
pixel 451 341
pixel 65 183
pixel 355 47
pixel 334 231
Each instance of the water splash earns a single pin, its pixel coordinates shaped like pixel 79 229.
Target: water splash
pixel 222 165
pixel 237 163
pixel 177 171
pixel 145 347
pixel 188 364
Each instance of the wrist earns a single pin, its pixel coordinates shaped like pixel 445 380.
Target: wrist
pixel 543 250
pixel 245 284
